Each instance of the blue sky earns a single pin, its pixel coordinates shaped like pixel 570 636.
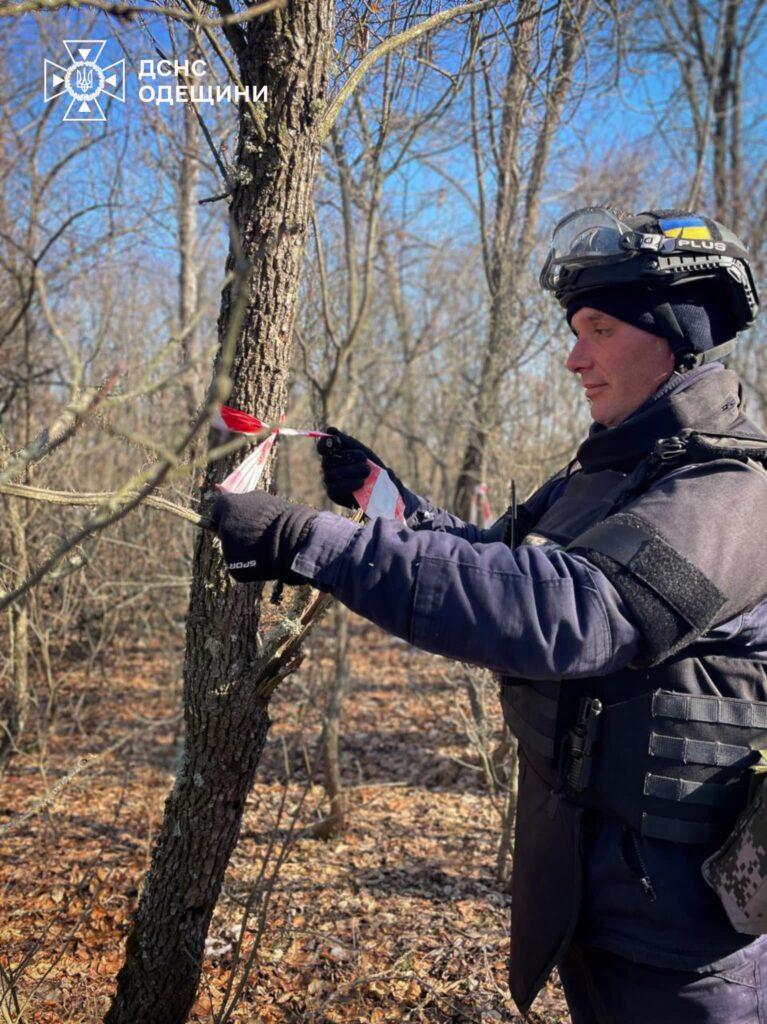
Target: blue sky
pixel 605 126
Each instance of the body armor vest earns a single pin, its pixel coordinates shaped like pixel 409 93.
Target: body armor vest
pixel 661 746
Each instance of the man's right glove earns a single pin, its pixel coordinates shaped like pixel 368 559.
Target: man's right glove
pixel 345 468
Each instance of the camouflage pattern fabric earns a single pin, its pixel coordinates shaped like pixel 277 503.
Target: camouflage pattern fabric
pixel 738 871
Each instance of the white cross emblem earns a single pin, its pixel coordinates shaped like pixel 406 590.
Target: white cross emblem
pixel 84 80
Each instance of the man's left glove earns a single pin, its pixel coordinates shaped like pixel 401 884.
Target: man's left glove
pixel 260 535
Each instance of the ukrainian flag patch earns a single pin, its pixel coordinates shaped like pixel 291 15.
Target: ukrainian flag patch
pixel 684 227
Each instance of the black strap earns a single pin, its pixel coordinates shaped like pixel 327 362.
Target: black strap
pixel 684 359
pixel 675 830
pixel 702 446
pixel 684 750
pixel 717 710
pixel 708 794
pixel 689 360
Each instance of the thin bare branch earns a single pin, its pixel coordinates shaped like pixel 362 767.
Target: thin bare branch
pixel 144 482
pixel 65 426
pixel 409 35
pixel 129 11
pixel 98 499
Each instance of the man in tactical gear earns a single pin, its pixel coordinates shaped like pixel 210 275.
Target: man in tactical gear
pixel 629 623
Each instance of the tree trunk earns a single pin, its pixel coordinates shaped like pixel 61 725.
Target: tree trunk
pixel 14 707
pixel 14 703
pixel 723 96
pixel 289 52
pixel 517 205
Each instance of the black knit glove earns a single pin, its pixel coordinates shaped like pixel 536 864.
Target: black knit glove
pixel 345 468
pixel 261 535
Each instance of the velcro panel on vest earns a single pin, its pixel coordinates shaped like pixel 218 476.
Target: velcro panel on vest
pixel 671 600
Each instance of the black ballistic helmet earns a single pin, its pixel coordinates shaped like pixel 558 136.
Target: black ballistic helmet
pixel 661 252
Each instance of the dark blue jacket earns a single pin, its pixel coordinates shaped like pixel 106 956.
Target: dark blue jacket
pixel 541 613
pixel 442 586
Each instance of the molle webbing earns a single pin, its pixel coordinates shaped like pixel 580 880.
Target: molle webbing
pixel 689 751
pixel 711 794
pixel 674 830
pixel 705 708
pixel 670 765
pixel 689 767
pixel 728 799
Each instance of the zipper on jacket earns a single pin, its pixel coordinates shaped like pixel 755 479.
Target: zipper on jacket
pixel 635 862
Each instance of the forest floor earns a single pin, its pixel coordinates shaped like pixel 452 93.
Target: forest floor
pixel 398 919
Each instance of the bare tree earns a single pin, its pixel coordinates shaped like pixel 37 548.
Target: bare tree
pixel 537 87
pixel 363 157
pixel 288 52
pixel 715 47
pixel 35 226
pixel 709 40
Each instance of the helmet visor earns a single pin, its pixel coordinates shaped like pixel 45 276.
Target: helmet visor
pixel 594 233
pixel 586 236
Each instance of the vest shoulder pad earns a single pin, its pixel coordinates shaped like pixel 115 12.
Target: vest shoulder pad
pixel 688 553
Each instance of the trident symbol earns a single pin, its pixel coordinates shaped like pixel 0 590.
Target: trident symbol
pixel 84 80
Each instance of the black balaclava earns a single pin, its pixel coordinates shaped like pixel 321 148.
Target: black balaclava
pixel 700 308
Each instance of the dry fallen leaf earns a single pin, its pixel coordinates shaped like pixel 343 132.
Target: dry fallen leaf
pixel 407 893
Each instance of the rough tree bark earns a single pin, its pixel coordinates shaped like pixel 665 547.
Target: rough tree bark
pixel 14 704
pixel 289 52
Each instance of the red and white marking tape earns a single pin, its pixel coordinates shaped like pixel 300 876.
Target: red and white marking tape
pixel 378 497
pixel 480 502
pixel 243 423
pixel 248 474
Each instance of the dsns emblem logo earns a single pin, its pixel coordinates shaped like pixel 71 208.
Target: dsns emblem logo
pixel 84 80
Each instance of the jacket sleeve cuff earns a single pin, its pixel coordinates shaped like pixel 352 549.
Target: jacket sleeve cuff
pixel 321 556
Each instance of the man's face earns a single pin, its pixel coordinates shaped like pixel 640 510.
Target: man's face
pixel 619 365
